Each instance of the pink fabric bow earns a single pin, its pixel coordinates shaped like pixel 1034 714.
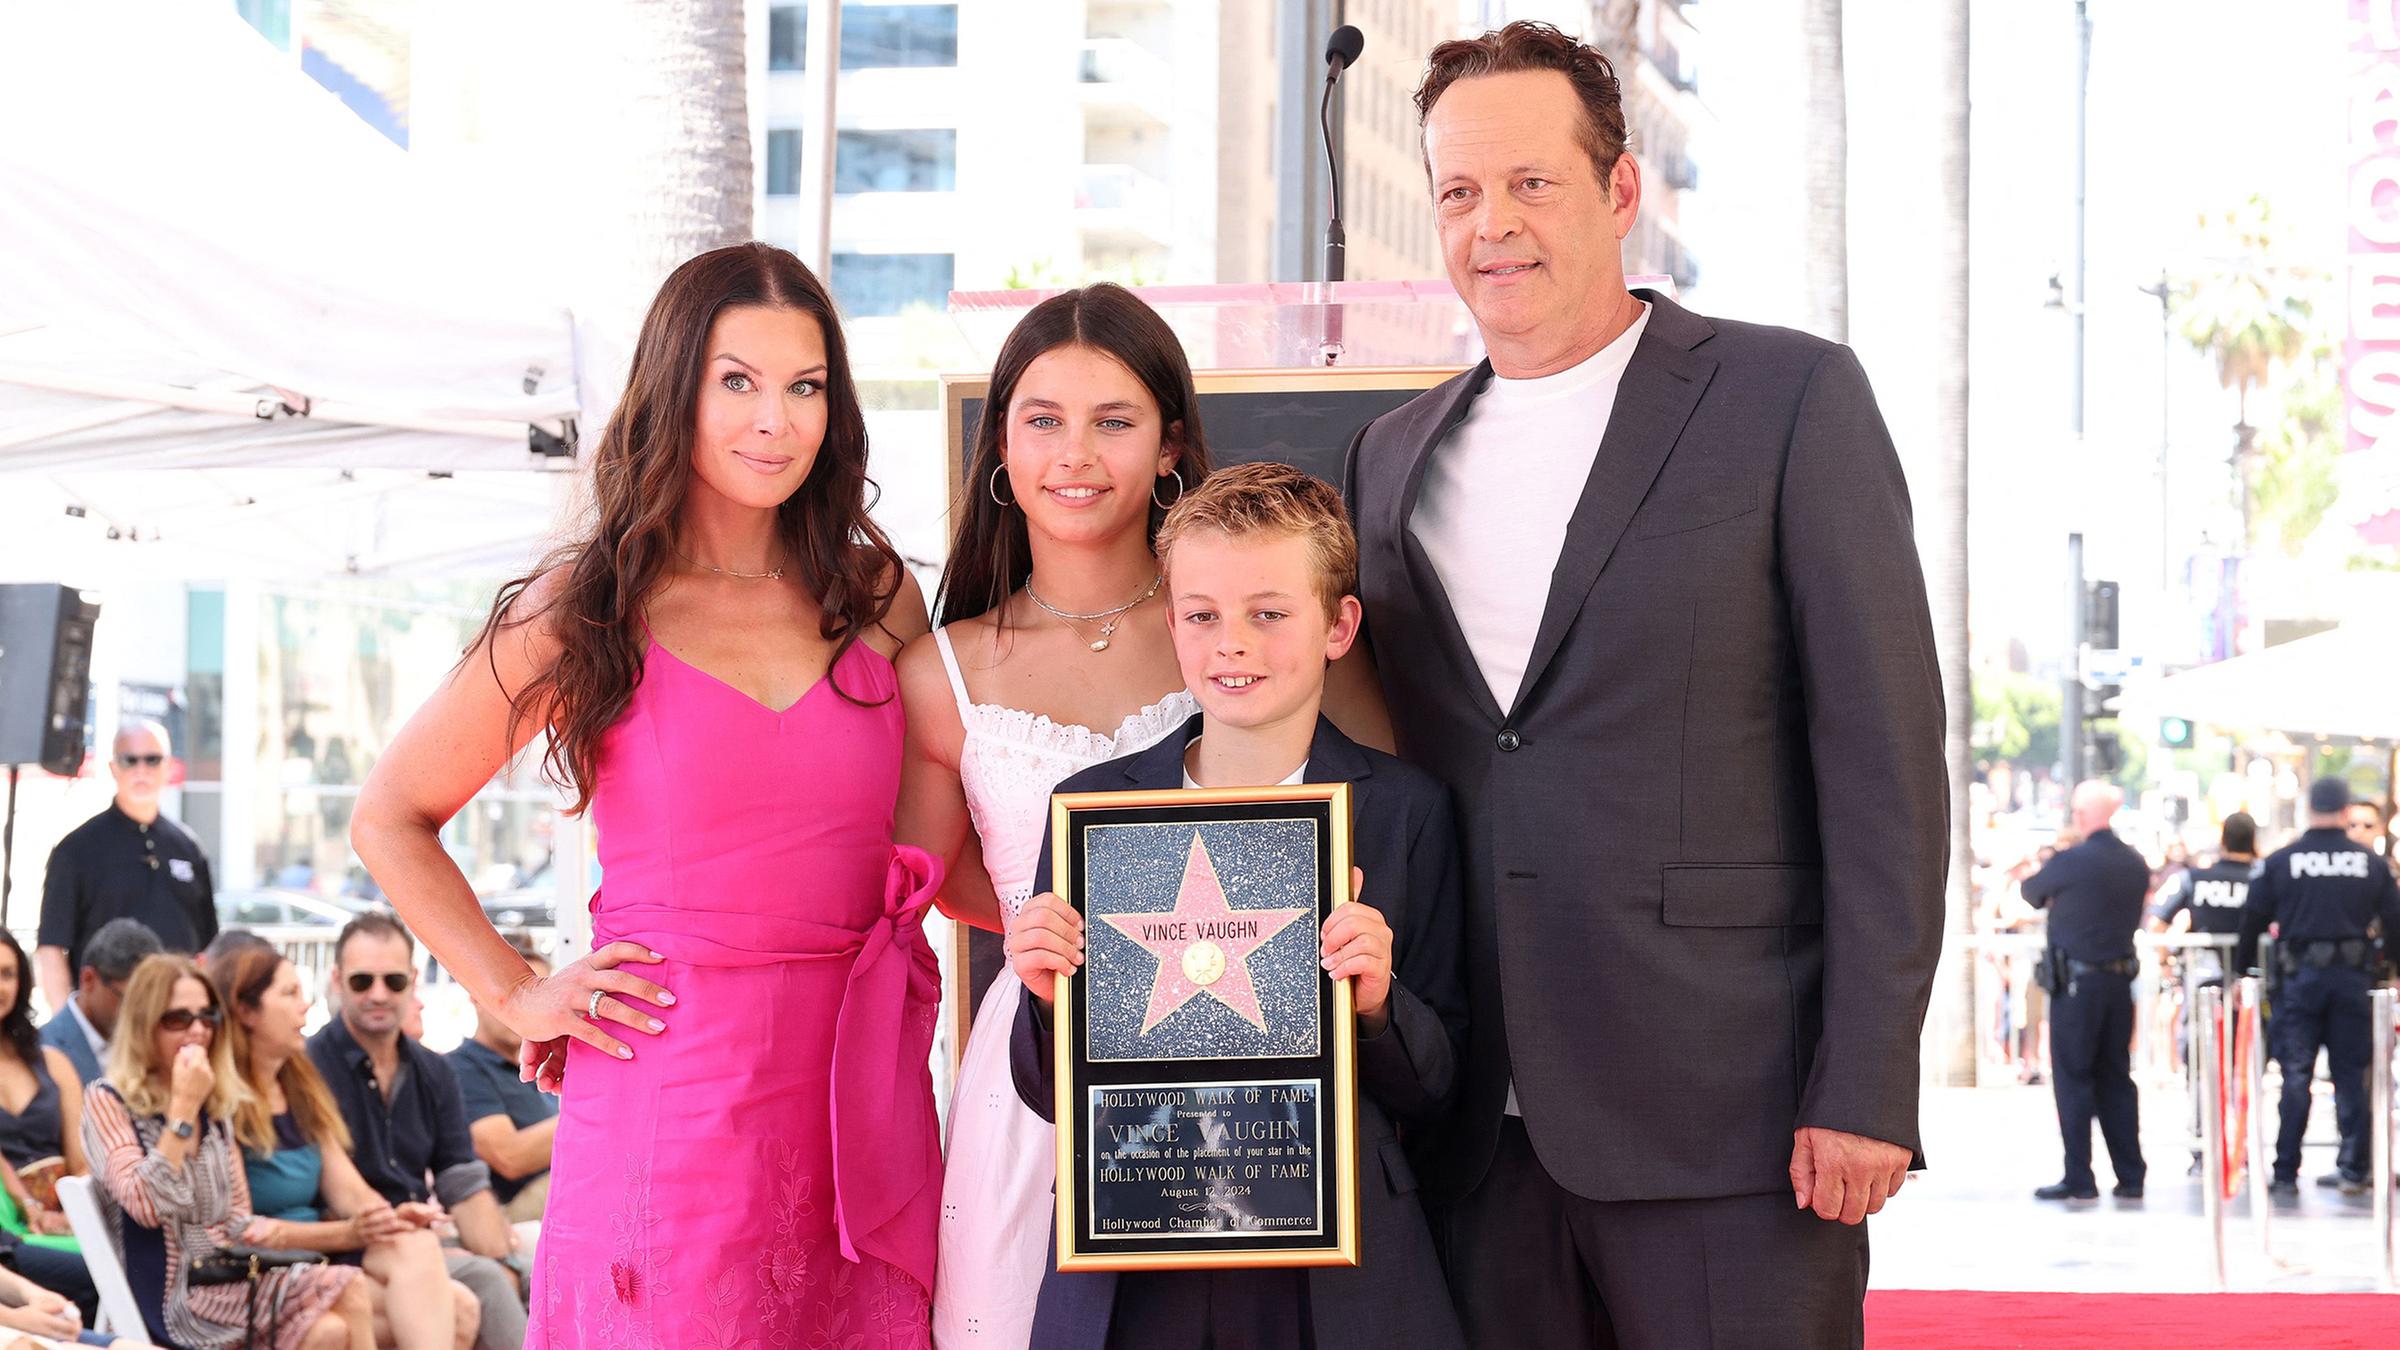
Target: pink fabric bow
pixel 887 1155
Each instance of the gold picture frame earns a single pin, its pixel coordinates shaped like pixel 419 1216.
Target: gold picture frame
pixel 1280 1105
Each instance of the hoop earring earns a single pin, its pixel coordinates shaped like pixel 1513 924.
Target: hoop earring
pixel 1177 475
pixel 993 487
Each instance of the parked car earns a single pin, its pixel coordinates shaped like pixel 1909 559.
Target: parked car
pixel 526 907
pixel 274 907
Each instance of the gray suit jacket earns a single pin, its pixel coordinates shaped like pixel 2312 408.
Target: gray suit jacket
pixel 1402 838
pixel 1705 851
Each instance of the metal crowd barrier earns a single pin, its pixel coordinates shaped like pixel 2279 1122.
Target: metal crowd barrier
pixel 2158 1058
pixel 2381 1006
pixel 2220 1072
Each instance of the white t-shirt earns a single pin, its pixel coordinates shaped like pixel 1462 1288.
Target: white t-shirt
pixel 1299 775
pixel 1498 493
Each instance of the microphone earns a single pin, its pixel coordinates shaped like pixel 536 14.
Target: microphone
pixel 1341 49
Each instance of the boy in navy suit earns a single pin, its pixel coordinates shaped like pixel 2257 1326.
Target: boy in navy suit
pixel 1262 575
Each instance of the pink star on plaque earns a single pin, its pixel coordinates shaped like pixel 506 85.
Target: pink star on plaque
pixel 1203 945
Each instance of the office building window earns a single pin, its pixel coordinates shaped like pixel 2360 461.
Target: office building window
pixel 868 284
pixel 787 37
pixel 899 35
pixel 783 162
pixel 896 161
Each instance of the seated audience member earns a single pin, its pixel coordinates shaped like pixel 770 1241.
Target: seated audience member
pixel 304 1188
pixel 41 1121
pixel 401 1104
pixel 38 1317
pixel 230 943
pixel 511 1121
pixel 81 1029
pixel 159 1132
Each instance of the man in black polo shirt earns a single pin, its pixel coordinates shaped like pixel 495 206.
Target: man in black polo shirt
pixel 128 862
pixel 512 1122
pixel 406 1121
pixel 2094 894
pixel 2210 899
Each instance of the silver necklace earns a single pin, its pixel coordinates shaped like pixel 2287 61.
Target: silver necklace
pixel 771 574
pixel 1106 618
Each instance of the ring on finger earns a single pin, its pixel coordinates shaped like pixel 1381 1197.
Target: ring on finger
pixel 591 1009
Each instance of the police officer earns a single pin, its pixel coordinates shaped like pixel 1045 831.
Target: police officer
pixel 2094 893
pixel 2212 897
pixel 128 862
pixel 2320 893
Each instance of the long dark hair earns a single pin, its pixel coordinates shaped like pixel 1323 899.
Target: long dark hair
pixel 990 556
pixel 17 1023
pixel 639 476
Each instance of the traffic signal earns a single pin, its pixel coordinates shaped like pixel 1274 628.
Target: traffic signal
pixel 2103 702
pixel 2108 755
pixel 2100 615
pixel 2175 733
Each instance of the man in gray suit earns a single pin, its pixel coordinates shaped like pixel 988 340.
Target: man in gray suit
pixel 81 1030
pixel 1642 589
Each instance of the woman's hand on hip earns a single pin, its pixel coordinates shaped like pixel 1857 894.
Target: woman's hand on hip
pixel 585 1001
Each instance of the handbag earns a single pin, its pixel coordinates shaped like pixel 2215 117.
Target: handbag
pixel 239 1263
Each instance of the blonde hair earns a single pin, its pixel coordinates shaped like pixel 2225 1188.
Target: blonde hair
pixel 133 1069
pixel 242 980
pixel 1273 499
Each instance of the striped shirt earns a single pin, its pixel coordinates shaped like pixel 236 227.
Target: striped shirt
pixel 196 1208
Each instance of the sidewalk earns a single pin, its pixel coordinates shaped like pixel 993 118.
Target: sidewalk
pixel 1971 1222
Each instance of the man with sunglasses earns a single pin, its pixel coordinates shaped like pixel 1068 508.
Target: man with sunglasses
pixel 408 1123
pixel 128 862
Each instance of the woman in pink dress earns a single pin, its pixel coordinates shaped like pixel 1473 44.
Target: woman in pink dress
pixel 747 1153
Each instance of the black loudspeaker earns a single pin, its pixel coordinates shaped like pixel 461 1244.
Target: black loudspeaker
pixel 45 674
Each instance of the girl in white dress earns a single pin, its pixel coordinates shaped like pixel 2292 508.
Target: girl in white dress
pixel 1052 656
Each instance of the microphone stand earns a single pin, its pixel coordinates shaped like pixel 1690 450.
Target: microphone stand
pixel 1336 247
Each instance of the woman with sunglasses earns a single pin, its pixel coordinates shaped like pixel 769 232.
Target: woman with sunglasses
pixel 296 1154
pixel 159 1131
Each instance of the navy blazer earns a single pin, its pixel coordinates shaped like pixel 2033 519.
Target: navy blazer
pixel 65 1034
pixel 1404 839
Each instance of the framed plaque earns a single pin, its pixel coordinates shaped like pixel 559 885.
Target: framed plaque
pixel 1206 1065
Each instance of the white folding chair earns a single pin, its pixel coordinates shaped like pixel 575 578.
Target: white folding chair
pixel 120 1316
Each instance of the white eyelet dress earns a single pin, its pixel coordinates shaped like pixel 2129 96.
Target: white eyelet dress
pixel 996 1233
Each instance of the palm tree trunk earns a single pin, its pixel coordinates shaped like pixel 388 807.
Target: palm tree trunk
pixel 1944 513
pixel 1826 174
pixel 667 80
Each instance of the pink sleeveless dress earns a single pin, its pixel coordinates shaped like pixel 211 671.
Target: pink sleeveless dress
pixel 767 1172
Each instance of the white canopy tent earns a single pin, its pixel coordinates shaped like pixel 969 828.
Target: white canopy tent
pixel 245 333
pixel 2344 682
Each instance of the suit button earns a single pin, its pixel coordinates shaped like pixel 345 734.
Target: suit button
pixel 1508 740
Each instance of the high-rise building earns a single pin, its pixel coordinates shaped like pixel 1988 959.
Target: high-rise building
pixel 984 144
pixel 1651 42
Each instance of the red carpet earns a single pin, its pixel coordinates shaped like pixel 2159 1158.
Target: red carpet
pixel 1913 1319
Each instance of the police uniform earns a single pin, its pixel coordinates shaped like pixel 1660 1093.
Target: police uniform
pixel 114 867
pixel 2213 896
pixel 2094 893
pixel 2321 892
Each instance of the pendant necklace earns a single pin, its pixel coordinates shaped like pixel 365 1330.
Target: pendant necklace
pixel 1106 618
